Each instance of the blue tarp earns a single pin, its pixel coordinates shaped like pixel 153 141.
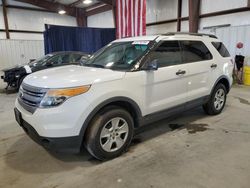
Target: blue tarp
pixel 64 38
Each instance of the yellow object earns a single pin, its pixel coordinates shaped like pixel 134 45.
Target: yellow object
pixel 247 75
pixel 68 92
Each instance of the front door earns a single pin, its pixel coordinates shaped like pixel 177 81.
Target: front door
pixel 167 86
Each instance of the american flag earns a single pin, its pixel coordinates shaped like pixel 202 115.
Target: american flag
pixel 130 18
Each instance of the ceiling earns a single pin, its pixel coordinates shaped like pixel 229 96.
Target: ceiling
pixel 74 8
pixel 78 3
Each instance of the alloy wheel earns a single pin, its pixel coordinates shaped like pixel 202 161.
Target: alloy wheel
pixel 114 134
pixel 219 99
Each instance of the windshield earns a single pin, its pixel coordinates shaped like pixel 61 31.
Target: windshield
pixel 41 60
pixel 118 56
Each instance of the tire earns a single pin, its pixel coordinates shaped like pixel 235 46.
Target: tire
pixel 217 100
pixel 110 133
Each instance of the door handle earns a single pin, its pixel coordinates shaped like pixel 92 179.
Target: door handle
pixel 213 66
pixel 180 72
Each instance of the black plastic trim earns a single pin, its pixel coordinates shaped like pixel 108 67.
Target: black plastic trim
pixel 74 144
pixel 150 118
pixel 144 120
pixel 218 80
pixel 59 144
pixel 103 104
pixel 173 111
pixel 192 34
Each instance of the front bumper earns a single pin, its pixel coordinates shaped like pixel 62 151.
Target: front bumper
pixel 9 78
pixel 57 128
pixel 66 120
pixel 70 144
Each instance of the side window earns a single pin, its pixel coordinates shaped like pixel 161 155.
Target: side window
pixel 66 59
pixel 167 54
pixel 221 49
pixel 75 58
pixel 194 51
pixel 55 60
pixel 60 59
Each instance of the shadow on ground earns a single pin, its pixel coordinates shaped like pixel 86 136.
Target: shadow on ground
pixel 175 123
pixel 26 156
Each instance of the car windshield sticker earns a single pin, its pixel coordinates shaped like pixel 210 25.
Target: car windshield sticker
pixel 27 69
pixel 141 42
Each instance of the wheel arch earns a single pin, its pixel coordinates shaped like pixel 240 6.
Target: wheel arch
pixel 128 104
pixel 225 81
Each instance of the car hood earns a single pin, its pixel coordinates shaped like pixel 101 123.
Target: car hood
pixel 71 76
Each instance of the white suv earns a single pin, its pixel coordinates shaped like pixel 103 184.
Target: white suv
pixel 127 84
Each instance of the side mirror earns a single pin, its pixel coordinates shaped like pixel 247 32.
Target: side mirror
pixel 152 66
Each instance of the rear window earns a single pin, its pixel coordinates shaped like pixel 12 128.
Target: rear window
pixel 194 51
pixel 221 49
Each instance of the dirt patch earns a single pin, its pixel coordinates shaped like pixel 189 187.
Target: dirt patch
pixel 8 154
pixel 4 139
pixel 243 101
pixel 9 91
pixel 191 128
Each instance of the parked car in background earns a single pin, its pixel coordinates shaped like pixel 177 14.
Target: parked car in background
pixel 14 76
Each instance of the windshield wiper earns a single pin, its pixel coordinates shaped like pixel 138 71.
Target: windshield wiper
pixel 94 65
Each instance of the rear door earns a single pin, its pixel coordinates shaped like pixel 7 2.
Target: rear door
pixel 199 61
pixel 167 86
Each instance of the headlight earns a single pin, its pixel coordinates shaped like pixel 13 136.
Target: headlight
pixel 55 97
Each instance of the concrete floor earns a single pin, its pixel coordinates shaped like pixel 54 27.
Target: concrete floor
pixel 193 150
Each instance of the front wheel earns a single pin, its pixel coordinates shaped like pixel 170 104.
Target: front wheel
pixel 110 133
pixel 217 100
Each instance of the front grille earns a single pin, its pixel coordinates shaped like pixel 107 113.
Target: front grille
pixel 30 97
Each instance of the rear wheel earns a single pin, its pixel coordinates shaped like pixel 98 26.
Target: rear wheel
pixel 217 100
pixel 110 133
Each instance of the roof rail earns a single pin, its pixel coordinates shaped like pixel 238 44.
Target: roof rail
pixel 187 33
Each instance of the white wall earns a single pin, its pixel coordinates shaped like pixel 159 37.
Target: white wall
pixel 159 10
pixel 184 10
pixel 25 46
pixel 1 19
pixel 17 52
pixel 161 29
pixel 236 19
pixel 232 35
pixel 102 20
pixel 208 6
pixel 35 21
pixel 167 9
pixel 31 21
